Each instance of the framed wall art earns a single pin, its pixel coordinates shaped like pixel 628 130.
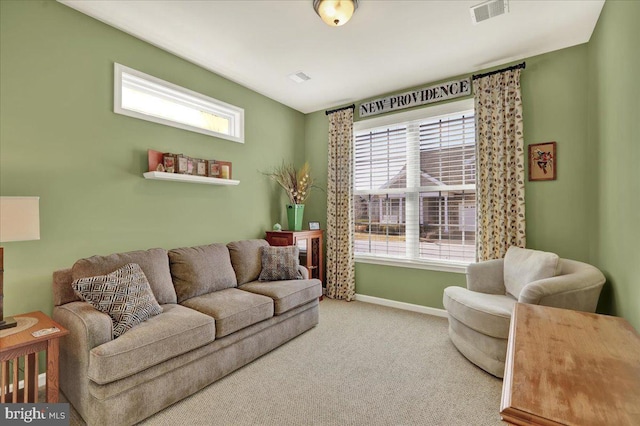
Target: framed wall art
pixel 543 161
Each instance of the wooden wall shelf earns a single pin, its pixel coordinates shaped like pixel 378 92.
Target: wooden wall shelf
pixel 177 177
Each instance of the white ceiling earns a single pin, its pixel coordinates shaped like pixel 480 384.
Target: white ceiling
pixel 387 46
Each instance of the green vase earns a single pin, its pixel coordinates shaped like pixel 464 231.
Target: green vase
pixel 294 216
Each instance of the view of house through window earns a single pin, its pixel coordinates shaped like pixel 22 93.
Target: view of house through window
pixel 414 189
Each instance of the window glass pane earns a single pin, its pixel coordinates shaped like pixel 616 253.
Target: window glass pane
pixel 147 103
pixel 148 98
pixel 380 224
pixel 447 225
pixel 447 151
pixel 414 189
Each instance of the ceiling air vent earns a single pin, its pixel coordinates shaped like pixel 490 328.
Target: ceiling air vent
pixel 488 9
pixel 299 77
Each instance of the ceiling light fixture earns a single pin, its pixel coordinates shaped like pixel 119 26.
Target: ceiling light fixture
pixel 335 12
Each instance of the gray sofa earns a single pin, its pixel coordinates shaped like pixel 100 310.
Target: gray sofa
pixel 216 318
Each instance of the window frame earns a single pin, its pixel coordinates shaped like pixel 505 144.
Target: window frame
pixel 182 95
pixel 388 120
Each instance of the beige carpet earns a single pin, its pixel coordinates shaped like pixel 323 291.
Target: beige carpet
pixel 362 365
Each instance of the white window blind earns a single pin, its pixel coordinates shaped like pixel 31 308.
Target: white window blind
pixel 414 189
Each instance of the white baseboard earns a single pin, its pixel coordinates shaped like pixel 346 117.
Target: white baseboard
pixel 402 305
pixel 42 381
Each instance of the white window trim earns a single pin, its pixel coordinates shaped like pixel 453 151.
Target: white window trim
pixel 222 109
pixel 432 112
pixel 431 265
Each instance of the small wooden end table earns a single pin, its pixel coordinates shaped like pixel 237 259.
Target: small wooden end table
pixel 570 368
pixel 23 345
pixel 310 245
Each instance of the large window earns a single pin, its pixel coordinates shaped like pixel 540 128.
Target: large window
pixel 143 96
pixel 415 187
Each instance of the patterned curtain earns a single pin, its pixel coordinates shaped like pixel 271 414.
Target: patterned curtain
pixel 340 279
pixel 500 145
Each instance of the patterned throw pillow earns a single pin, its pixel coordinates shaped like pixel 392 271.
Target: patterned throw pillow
pixel 124 294
pixel 280 263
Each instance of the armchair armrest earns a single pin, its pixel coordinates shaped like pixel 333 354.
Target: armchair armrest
pixel 579 289
pixel 486 277
pixel 304 272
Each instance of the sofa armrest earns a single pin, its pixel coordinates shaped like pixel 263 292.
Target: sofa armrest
pixel 304 272
pixel 578 290
pixel 88 328
pixel 486 277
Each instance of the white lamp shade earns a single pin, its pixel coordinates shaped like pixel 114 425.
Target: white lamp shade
pixel 19 218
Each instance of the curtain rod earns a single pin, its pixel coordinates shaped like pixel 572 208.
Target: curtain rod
pixel 514 67
pixel 331 111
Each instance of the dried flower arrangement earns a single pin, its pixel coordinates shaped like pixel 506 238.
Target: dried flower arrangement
pixel 296 183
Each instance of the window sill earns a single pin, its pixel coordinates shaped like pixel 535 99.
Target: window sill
pixel 455 267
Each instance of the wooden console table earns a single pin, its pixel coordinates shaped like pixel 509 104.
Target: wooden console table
pixel 310 245
pixel 570 368
pixel 23 345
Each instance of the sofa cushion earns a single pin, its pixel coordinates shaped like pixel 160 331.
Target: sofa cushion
pixel 280 263
pixel 288 294
pixel 488 314
pixel 123 294
pixel 523 266
pixel 175 331
pixel 154 263
pixel 200 270
pixel 246 259
pixel 232 309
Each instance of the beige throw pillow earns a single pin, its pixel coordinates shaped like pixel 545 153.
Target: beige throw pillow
pixel 523 266
pixel 280 263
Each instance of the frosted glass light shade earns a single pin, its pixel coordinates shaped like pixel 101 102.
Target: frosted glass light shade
pixel 19 218
pixel 335 12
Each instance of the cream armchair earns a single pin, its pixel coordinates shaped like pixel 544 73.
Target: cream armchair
pixel 479 315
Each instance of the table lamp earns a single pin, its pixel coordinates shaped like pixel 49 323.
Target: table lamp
pixel 19 221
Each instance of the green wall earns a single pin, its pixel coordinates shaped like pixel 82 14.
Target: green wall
pixel 60 140
pixel 614 117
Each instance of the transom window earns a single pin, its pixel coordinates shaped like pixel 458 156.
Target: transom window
pixel 415 186
pixel 146 97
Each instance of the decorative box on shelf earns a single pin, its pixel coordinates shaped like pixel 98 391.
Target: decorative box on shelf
pixel 167 166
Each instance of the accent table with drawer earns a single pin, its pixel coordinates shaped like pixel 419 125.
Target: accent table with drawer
pixel 310 245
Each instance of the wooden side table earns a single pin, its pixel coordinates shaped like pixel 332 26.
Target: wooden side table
pixel 23 345
pixel 570 368
pixel 310 245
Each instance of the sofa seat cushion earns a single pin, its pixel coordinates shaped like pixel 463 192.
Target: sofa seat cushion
pixel 175 331
pixel 488 314
pixel 288 294
pixel 232 309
